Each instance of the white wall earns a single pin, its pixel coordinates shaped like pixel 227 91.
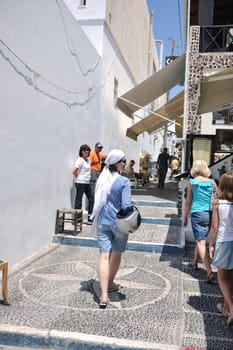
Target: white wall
pixel 50 89
pixel 93 9
pixel 91 19
pixel 114 122
pixel 56 93
pixel 116 33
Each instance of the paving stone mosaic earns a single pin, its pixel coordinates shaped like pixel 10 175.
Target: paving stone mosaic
pixel 164 305
pixel 52 292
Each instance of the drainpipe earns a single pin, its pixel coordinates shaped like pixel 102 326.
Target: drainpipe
pixel 160 42
pixel 149 43
pixel 186 89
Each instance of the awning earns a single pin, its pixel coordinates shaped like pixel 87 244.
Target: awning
pixel 153 87
pixel 168 112
pixel 216 91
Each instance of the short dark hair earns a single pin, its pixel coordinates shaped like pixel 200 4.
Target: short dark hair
pixel 83 148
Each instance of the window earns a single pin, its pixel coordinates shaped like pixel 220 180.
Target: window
pixel 115 91
pixel 82 3
pixel 223 117
pixel 224 141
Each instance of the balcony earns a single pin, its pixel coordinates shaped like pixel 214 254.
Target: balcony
pixel 216 39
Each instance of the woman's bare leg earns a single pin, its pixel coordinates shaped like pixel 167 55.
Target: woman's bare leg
pixel 196 256
pixel 115 260
pixel 225 283
pixel 201 246
pixel 104 269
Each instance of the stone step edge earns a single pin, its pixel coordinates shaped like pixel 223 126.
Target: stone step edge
pixel 154 203
pixel 52 339
pixel 147 247
pixel 161 221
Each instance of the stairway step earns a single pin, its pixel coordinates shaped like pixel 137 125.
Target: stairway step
pixel 138 246
pixel 160 230
pixel 162 221
pixel 148 238
pixel 154 203
pixel 161 212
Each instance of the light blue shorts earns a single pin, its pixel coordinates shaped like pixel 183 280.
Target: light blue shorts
pixel 110 239
pixel 201 224
pixel 223 255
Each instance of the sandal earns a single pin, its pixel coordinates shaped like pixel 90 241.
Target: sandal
pixel 220 309
pixel 115 288
pixel 230 320
pixel 210 277
pixel 193 266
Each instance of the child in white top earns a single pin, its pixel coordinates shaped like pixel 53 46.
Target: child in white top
pixel 222 250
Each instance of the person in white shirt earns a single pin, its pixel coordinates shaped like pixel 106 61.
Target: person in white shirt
pixel 221 243
pixel 82 176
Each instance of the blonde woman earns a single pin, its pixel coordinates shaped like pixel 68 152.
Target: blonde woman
pixel 198 199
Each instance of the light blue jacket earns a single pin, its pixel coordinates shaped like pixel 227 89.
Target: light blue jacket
pixel 118 198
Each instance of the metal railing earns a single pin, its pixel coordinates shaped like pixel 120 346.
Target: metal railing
pixel 216 38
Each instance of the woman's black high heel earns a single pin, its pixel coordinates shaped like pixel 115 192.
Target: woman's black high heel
pixel 102 305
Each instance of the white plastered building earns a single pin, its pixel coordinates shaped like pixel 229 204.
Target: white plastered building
pixel 59 80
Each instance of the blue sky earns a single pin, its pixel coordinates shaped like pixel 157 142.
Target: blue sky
pixel 168 25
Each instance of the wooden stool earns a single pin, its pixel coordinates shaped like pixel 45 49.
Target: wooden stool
pixel 4 268
pixel 69 221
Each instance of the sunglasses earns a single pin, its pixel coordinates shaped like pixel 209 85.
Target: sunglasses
pixel 86 150
pixel 123 161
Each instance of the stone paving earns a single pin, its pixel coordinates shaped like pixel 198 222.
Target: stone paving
pixel 148 233
pixel 162 305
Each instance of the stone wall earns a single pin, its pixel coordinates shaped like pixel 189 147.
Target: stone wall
pixel 198 64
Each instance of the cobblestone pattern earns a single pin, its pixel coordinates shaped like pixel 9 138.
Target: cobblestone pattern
pixel 47 295
pixel 204 327
pixel 158 212
pixel 162 301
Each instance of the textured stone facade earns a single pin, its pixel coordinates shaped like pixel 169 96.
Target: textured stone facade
pixel 198 64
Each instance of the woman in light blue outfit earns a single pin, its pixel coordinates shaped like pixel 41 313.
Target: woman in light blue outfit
pixel 199 192
pixel 112 194
pixel 221 243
